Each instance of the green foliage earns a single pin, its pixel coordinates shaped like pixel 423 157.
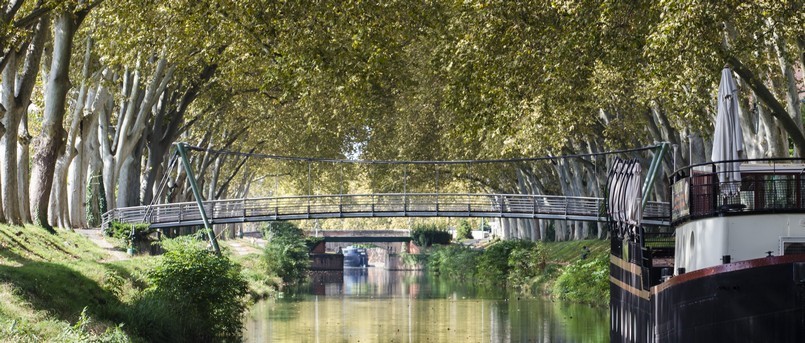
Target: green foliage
pixel 585 281
pixel 194 296
pixel 425 235
pixel 94 208
pixel 526 264
pixel 414 260
pixel 281 228
pixel 454 261
pixel 311 242
pixel 51 284
pixel 464 230
pixel 286 253
pixel 122 231
pixel 84 330
pixel 80 332
pixel 516 263
pixel 113 283
pixel 494 265
pixel 570 251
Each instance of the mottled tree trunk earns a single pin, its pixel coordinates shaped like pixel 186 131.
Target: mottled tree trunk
pixel 51 139
pixel 59 210
pixel 216 173
pixel 68 177
pixel 17 87
pixel 8 145
pixel 24 172
pixel 789 81
pixel 129 179
pixel 94 197
pixel 166 128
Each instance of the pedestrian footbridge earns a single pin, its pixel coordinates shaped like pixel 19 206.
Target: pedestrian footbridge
pixel 526 206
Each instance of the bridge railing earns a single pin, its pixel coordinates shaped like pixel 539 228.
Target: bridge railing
pixel 376 205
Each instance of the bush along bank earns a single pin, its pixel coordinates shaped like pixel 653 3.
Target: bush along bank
pixel 584 281
pixel 194 296
pixel 286 254
pixel 527 266
pixel 505 263
pixel 57 288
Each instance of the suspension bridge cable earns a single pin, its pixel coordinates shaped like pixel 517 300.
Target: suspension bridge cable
pixel 335 160
pixel 162 185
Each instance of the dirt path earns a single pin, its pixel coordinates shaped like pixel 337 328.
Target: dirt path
pixel 239 247
pixel 96 236
pixel 245 246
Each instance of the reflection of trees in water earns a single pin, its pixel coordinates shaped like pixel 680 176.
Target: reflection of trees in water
pixel 411 306
pixel 288 311
pixel 326 282
pixel 582 321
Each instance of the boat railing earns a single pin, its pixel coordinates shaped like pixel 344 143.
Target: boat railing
pixel 658 240
pixel 738 187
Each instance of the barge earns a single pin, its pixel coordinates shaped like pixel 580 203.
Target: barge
pixel 355 257
pixel 731 266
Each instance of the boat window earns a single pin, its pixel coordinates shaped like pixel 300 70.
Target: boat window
pixel 794 248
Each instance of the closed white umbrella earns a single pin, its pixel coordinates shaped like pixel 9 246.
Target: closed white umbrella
pixel 728 138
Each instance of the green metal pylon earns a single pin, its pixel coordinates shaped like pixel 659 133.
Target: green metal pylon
pixel 652 171
pixel 180 147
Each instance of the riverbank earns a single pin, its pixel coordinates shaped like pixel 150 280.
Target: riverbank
pixel 62 287
pixel 581 272
pixel 77 287
pixel 575 271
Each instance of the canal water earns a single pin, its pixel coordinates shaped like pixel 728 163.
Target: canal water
pixel 376 305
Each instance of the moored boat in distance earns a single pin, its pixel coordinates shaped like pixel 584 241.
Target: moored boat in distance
pixel 731 268
pixel 355 257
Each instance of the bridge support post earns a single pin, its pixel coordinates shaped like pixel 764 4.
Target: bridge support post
pixel 652 171
pixel 180 147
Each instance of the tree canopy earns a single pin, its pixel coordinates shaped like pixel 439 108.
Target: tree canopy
pixel 114 83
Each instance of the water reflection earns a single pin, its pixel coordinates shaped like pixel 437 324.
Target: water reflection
pixel 375 305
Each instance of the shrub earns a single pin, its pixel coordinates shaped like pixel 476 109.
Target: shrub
pixel 81 332
pixel 454 261
pixel 286 253
pixel 413 260
pixel 281 228
pixel 464 230
pixel 122 231
pixel 310 242
pixel 525 264
pixel 194 296
pixel 494 265
pixel 585 281
pixel 425 235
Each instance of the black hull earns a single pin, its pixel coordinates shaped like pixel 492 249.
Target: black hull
pixel 759 300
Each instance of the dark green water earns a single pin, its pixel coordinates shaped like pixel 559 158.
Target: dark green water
pixel 375 305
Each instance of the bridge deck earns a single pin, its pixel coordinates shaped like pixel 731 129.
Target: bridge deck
pixel 365 239
pixel 378 205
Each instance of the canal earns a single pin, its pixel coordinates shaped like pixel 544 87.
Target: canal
pixel 377 305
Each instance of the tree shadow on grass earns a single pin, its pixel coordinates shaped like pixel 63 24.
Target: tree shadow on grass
pixel 10 255
pixel 63 292
pixel 125 273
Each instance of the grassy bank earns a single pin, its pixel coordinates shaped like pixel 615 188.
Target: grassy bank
pixel 564 253
pixel 57 287
pixel 62 287
pixel 580 280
